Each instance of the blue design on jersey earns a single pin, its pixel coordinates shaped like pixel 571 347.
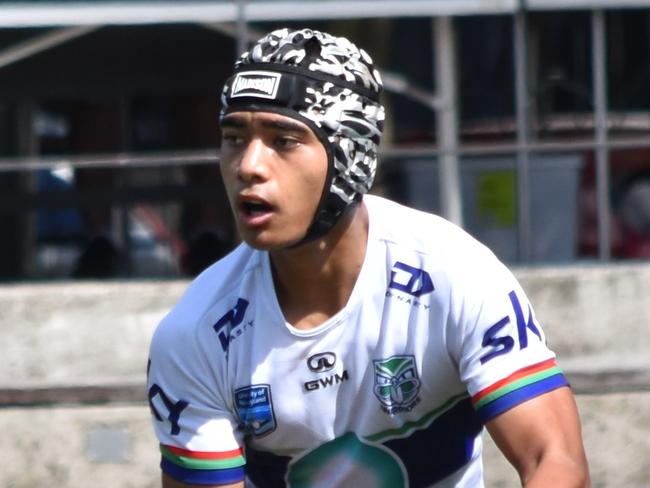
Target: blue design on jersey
pixel 499 345
pixel 232 319
pixel 173 409
pixel 255 409
pixel 433 453
pixel 426 456
pixel 418 284
pixel 523 324
pixel 265 469
pixel 202 476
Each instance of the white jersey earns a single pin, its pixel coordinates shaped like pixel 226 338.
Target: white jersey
pixel 436 339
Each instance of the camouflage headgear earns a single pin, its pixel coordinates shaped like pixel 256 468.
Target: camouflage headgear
pixel 332 86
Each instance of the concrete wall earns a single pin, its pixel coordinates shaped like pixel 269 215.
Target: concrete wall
pixel 74 356
pixel 113 446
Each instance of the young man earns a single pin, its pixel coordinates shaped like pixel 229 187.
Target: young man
pixel 349 341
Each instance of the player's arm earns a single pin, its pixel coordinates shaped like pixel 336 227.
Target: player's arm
pixel 541 438
pixel 197 431
pixel 168 482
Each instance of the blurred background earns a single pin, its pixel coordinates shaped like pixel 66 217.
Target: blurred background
pixel 528 123
pixel 525 121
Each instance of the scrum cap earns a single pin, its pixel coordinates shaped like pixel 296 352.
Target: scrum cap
pixel 330 85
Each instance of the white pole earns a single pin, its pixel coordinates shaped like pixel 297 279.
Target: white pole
pixel 600 115
pixel 447 120
pixel 41 43
pixel 523 136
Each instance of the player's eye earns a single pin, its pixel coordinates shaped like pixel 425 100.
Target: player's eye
pixel 286 142
pixel 232 139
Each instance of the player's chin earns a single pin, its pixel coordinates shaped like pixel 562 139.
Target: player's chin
pixel 268 240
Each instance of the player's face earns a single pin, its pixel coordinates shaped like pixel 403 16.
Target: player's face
pixel 274 169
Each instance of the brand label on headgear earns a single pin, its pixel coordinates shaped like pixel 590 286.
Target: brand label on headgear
pixel 261 84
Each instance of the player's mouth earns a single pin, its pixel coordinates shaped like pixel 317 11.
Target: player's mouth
pixel 254 211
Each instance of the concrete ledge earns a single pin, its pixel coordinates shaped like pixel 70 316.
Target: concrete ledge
pixel 80 333
pixel 582 383
pixel 595 317
pixel 73 335
pixel 97 333
pixel 77 447
pixel 72 395
pixel 115 445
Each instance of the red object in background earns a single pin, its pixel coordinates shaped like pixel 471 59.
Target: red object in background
pixel 627 168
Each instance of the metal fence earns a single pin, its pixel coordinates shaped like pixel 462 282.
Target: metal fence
pixel 241 21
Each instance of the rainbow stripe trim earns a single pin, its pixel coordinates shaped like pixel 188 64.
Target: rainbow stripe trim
pixel 200 467
pixel 520 386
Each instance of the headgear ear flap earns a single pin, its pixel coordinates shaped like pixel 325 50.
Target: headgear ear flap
pixel 332 86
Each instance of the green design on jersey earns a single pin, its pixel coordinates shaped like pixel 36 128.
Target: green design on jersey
pixel 373 465
pixel 422 423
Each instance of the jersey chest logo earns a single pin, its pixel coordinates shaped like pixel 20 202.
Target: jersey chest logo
pixel 408 279
pixel 320 363
pixel 397 384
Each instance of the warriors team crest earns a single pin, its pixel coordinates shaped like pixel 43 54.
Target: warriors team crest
pixel 396 383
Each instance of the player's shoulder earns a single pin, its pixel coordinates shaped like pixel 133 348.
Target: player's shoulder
pixel 213 288
pixel 424 233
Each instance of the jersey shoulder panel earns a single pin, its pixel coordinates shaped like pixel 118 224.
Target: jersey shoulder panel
pixel 185 336
pixel 422 232
pixel 214 283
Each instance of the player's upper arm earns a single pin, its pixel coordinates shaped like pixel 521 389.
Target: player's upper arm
pixel 168 482
pixel 192 418
pixel 542 439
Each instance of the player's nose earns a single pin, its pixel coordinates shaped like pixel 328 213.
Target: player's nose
pixel 253 165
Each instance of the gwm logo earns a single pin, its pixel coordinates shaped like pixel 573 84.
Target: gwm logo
pixel 408 279
pixel 260 84
pixel 321 363
pixel 397 384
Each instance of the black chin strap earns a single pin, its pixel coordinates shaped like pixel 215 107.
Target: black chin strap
pixel 325 220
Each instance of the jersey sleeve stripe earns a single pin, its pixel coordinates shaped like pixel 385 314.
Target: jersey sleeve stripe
pixel 202 476
pixel 517 396
pixel 204 461
pixel 178 451
pixel 516 376
pixel 517 384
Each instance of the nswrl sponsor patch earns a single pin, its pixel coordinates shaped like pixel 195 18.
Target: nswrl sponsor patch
pixel 255 409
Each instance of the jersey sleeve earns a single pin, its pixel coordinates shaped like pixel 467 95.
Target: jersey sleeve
pixel 500 347
pixel 199 441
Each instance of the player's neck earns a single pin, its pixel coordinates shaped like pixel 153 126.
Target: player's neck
pixel 314 281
